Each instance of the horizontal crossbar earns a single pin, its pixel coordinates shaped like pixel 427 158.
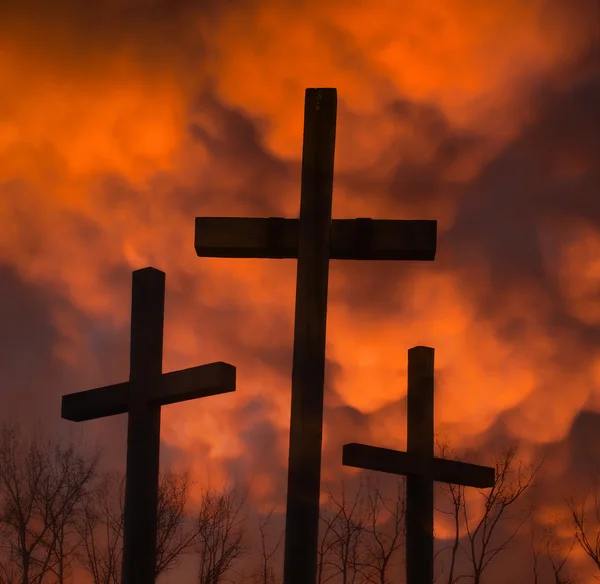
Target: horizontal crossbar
pixel 351 239
pixel 406 463
pixel 174 387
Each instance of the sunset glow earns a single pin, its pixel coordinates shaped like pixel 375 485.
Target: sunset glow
pixel 120 122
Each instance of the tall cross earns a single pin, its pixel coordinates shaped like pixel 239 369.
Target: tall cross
pixel 141 398
pixel 313 240
pixel 420 467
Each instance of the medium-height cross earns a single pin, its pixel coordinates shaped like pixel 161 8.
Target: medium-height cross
pixel 420 467
pixel 313 240
pixel 141 398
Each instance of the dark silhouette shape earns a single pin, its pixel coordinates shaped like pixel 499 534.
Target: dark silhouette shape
pixel 142 397
pixel 419 466
pixel 313 239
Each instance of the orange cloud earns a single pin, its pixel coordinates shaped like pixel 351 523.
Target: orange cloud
pixel 119 124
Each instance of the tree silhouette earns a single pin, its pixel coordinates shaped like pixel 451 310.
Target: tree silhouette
pixel 481 541
pixel 362 533
pixel 265 573
pixel 384 529
pixel 587 533
pixel 100 526
pixel 42 484
pixel 220 535
pixel 549 546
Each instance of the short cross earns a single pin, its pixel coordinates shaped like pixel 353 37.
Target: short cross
pixel 141 398
pixel 420 467
pixel 313 240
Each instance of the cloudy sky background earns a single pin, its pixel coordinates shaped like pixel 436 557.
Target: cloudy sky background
pixel 121 121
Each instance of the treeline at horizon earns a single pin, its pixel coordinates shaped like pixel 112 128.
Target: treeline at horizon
pixel 61 514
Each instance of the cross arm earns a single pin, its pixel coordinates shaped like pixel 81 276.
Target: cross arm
pixel 406 463
pixel 174 387
pixel 196 382
pixel 351 239
pixel 383 239
pixel 95 403
pixel 242 237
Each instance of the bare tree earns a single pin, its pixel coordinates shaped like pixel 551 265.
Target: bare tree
pixel 100 526
pixel 9 573
pixel 537 551
pixel 63 518
pixel 483 542
pixel 344 520
pixel 326 543
pixel 384 531
pixel 558 558
pixel 550 547
pixel 456 496
pixel 265 573
pixel 177 532
pixel 41 484
pixel 587 536
pixel 220 535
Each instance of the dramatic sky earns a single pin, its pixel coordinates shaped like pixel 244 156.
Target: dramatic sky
pixel 120 121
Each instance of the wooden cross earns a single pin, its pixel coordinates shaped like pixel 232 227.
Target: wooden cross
pixel 420 467
pixel 141 398
pixel 313 240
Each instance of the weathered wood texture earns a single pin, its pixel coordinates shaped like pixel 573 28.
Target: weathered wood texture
pixel 313 239
pixel 419 488
pixel 308 366
pixel 351 239
pixel 143 427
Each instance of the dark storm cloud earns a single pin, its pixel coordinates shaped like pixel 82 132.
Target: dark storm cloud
pixel 520 188
pixel 581 453
pixel 27 340
pixel 417 183
pixel 421 184
pixel 520 193
pixel 265 456
pixel 501 211
pixel 34 377
pixel 104 25
pixel 235 142
pixel 500 214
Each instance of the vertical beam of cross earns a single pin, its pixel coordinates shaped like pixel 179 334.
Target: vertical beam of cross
pixel 143 427
pixel 313 240
pixel 420 466
pixel 419 488
pixel 141 398
pixel 308 369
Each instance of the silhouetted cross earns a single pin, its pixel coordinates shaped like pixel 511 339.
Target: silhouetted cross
pixel 141 398
pixel 420 467
pixel 313 240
